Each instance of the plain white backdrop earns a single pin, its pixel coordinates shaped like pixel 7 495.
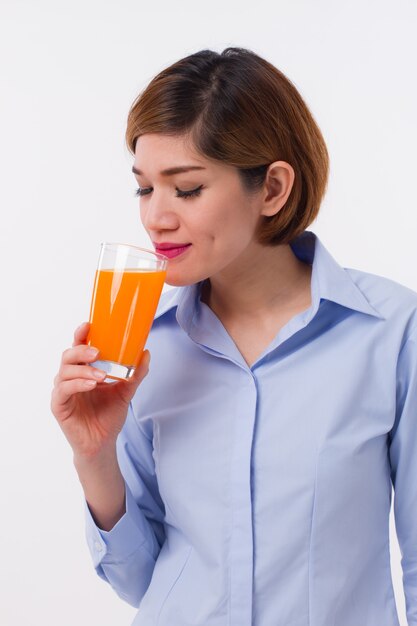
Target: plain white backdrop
pixel 69 72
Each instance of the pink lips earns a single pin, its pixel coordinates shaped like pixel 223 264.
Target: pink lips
pixel 172 252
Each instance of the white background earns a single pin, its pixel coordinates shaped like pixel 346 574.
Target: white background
pixel 69 73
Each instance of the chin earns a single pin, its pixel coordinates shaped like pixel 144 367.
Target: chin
pixel 181 279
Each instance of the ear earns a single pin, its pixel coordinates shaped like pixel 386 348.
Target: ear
pixel 277 187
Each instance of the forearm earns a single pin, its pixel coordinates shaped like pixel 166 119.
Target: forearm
pixel 124 556
pixel 103 487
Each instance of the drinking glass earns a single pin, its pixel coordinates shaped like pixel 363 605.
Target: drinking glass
pixel 127 287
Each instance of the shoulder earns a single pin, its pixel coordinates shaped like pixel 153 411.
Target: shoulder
pixel 394 300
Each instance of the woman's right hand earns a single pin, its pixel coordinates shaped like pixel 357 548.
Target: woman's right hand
pixel 91 413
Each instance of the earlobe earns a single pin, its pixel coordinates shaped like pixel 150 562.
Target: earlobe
pixel 278 184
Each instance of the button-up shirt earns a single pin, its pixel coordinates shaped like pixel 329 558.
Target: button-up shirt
pixel 260 495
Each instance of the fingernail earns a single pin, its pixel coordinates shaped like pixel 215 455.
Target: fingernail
pixel 92 352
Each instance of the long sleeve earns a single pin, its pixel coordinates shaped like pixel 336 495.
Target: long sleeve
pixel 125 556
pixel 403 458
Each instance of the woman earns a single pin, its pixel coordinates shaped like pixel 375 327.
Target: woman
pixel 247 477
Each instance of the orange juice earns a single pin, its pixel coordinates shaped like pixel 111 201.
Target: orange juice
pixel 122 310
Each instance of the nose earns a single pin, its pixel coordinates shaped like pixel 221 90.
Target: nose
pixel 156 214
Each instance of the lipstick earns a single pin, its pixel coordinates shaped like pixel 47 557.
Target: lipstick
pixel 172 252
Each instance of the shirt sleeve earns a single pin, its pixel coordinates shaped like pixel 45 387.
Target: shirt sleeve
pixel 125 556
pixel 403 459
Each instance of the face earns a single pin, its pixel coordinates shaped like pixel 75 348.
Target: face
pixel 217 222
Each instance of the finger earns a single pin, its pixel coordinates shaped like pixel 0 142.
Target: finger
pixel 81 333
pixel 79 354
pixel 70 372
pixel 67 388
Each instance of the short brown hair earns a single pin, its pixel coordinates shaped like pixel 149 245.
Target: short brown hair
pixel 239 109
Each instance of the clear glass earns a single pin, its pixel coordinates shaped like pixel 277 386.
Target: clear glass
pixel 127 287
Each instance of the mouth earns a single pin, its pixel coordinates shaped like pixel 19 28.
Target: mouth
pixel 172 251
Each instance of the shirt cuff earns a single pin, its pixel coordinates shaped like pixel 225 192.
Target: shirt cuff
pixel 126 536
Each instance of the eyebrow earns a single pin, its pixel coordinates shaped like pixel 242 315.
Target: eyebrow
pixel 173 170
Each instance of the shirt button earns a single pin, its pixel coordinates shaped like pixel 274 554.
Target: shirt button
pixel 98 546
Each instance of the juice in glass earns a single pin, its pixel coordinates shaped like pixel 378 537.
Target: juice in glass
pixel 122 309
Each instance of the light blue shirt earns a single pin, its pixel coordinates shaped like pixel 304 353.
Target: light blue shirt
pixel 260 496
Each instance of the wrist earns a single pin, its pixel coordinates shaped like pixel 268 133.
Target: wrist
pixel 104 458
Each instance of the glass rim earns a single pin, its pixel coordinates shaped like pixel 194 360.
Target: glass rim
pixel 162 257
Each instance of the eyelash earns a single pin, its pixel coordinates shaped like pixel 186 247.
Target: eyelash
pixel 180 194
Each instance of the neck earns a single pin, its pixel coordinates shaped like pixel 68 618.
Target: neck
pixel 269 279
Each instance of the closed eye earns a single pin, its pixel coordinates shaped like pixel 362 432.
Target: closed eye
pixel 180 194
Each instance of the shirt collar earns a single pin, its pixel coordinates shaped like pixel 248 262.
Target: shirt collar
pixel 332 281
pixel 329 281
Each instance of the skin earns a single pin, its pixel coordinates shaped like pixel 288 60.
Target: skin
pixel 91 414
pixel 253 289
pixel 244 280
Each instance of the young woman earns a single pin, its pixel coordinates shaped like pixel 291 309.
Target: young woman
pixel 246 477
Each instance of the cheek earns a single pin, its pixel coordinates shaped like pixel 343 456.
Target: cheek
pixel 219 233
pixel 225 217
pixel 227 240
pixel 234 226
